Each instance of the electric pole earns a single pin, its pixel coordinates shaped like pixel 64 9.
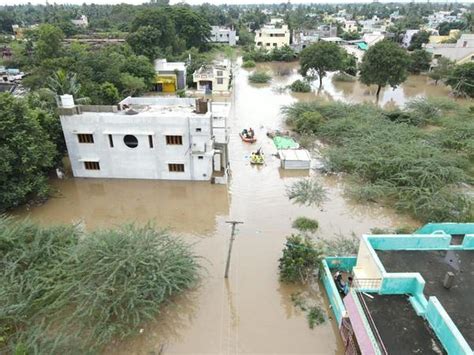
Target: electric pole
pixel 232 237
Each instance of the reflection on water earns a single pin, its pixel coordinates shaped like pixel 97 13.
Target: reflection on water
pixel 252 312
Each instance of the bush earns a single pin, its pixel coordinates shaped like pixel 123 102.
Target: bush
pixel 300 260
pixel 283 54
pixel 259 77
pixel 307 192
pixel 305 224
pixel 248 64
pixel 90 288
pixel 257 55
pixel 300 86
pixel 417 172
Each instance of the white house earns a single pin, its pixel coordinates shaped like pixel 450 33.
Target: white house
pixel 372 38
pixel 406 41
pixel 81 22
pixel 223 35
pixel 460 52
pixel 146 138
pixel 272 36
pixel 213 78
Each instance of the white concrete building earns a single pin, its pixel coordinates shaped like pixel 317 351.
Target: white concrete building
pixel 223 35
pixel 372 38
pixel 460 52
pixel 406 41
pixel 147 138
pixel 272 36
pixel 214 78
pixel 81 22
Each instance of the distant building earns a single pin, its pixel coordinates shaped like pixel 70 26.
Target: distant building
pixel 372 38
pixel 19 32
pixel 303 38
pixel 223 35
pixel 439 17
pixel 405 294
pixel 350 26
pixel 147 138
pixel 337 40
pixel 272 36
pixel 214 78
pixel 406 41
pixel 460 52
pixel 81 22
pixel 170 76
pixel 438 39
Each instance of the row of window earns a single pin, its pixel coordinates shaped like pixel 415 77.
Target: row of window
pixel 173 168
pixel 131 141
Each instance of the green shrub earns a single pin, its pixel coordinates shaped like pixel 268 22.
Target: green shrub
pixel 300 260
pixel 300 86
pixel 63 289
pixel 315 316
pixel 305 224
pixel 248 64
pixel 415 171
pixel 257 55
pixel 307 192
pixel 259 77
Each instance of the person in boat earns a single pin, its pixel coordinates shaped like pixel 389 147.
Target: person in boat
pixel 245 133
pixel 251 133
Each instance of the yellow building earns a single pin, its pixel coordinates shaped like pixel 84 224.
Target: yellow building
pixel 440 39
pixel 166 82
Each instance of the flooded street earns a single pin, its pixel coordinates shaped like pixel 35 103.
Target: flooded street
pixel 251 312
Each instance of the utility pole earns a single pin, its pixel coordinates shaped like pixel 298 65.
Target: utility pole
pixel 232 237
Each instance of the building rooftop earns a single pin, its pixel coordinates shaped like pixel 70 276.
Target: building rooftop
pixel 458 301
pixel 162 64
pixel 402 330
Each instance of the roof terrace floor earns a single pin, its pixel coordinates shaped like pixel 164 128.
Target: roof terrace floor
pixel 458 301
pixel 401 329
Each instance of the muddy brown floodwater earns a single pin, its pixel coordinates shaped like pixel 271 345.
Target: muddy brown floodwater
pixel 252 311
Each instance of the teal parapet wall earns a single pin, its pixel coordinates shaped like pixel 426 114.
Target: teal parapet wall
pixel 344 264
pixel 409 242
pixel 448 228
pixel 445 329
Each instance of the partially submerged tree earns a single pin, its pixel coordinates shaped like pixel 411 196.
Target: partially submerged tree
pixel 385 63
pixel 441 70
pixel 320 58
pixel 461 79
pixel 420 61
pixel 26 153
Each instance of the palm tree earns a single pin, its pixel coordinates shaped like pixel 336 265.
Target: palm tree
pixel 65 83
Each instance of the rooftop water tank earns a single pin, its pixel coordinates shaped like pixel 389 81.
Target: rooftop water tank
pixel 67 101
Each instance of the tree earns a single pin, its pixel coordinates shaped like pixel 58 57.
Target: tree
pixel 49 42
pixel 418 40
pixel 132 85
pixel 320 58
pixel 420 60
pixel 26 153
pixel 445 27
pixel 245 36
pixel 385 63
pixel 441 70
pixel 108 94
pixel 461 79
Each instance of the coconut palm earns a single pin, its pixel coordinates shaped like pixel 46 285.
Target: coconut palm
pixel 65 83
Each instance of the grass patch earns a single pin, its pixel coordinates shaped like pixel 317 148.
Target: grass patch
pixel 300 86
pixel 314 313
pixel 259 77
pixel 308 192
pixel 249 64
pixel 63 289
pixel 305 224
pixel 421 173
pixel 344 77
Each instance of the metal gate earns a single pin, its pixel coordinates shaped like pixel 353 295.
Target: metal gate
pixel 349 338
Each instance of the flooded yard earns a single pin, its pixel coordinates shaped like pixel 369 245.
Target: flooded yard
pixel 251 312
